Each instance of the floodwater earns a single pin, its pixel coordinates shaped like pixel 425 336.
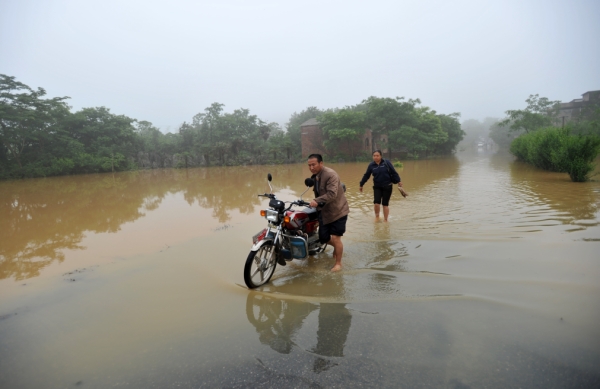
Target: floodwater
pixel 485 276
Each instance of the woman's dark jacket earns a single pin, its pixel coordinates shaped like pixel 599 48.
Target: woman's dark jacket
pixel 384 174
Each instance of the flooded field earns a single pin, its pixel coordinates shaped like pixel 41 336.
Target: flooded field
pixel 485 276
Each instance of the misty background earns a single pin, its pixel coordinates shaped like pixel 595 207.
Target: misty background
pixel 165 62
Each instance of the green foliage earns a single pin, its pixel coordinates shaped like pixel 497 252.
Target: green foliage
pixel 416 129
pixel 556 149
pixel 343 128
pixel 363 157
pixel 453 134
pixel 540 113
pixel 40 136
pixel 398 164
pixel 29 127
pixel 589 122
pixel 234 138
pixel 577 156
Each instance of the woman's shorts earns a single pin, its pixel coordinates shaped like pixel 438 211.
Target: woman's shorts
pixel 336 228
pixel 382 195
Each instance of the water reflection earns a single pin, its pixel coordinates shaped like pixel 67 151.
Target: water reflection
pixel 279 321
pixel 385 253
pixel 464 197
pixel 224 189
pixel 42 218
pixel 334 325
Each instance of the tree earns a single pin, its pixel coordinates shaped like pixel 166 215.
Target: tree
pixel 207 126
pixel 110 138
pixel 451 126
pixel 343 129
pixel 151 142
pixel 386 116
pixel 29 124
pixel 540 112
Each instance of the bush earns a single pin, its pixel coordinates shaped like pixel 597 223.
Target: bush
pixel 577 156
pixel 555 149
pixel 398 164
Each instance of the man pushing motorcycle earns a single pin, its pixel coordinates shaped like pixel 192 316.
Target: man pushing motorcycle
pixel 331 202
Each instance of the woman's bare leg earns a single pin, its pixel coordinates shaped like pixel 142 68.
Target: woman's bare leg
pixel 386 212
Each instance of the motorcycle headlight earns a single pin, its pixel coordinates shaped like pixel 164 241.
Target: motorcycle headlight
pixel 272 216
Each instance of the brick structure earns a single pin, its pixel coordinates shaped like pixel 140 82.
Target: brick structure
pixel 312 141
pixel 312 138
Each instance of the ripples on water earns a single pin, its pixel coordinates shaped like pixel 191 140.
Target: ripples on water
pixel 486 198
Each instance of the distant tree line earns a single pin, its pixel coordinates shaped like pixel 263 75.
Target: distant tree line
pixel 41 136
pixel 417 131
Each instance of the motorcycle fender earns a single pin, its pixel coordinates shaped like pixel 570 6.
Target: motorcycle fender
pixel 260 243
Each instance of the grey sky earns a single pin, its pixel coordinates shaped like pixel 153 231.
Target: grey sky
pixel 166 61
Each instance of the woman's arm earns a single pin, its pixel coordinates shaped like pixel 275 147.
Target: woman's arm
pixel 366 176
pixel 394 174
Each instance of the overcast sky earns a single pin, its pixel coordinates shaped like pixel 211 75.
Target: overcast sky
pixel 166 61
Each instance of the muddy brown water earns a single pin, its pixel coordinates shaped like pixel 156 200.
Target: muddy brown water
pixel 487 275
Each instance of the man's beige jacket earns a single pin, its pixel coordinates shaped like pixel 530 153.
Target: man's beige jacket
pixel 331 193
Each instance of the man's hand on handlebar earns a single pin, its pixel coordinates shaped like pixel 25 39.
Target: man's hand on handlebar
pixel 314 204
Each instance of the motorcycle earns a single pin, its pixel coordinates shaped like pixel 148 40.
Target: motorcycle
pixel 290 234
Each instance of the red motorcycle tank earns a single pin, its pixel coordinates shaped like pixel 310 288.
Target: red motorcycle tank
pixel 306 219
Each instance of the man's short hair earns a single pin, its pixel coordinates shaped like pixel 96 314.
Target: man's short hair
pixel 319 157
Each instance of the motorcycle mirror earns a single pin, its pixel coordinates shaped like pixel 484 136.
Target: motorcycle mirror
pixel 269 176
pixel 309 182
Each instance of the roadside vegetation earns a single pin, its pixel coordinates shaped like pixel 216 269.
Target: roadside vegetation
pixel 559 150
pixel 41 136
pixel 570 149
pixel 538 136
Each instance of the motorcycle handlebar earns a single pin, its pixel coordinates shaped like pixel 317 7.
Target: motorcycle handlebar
pixel 301 203
pixel 306 203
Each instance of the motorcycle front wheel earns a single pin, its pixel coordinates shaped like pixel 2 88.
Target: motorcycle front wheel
pixel 259 268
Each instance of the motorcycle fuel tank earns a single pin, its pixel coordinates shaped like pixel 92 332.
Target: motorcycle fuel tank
pixel 299 218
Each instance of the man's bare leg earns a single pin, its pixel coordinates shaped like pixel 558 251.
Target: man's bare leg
pixel 386 212
pixel 338 251
pixel 377 211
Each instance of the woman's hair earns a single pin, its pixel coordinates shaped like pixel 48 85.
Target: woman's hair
pixel 378 151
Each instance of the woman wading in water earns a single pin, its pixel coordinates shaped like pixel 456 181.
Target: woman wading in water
pixel 384 178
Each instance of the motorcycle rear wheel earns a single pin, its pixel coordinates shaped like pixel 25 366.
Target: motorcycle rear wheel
pixel 259 269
